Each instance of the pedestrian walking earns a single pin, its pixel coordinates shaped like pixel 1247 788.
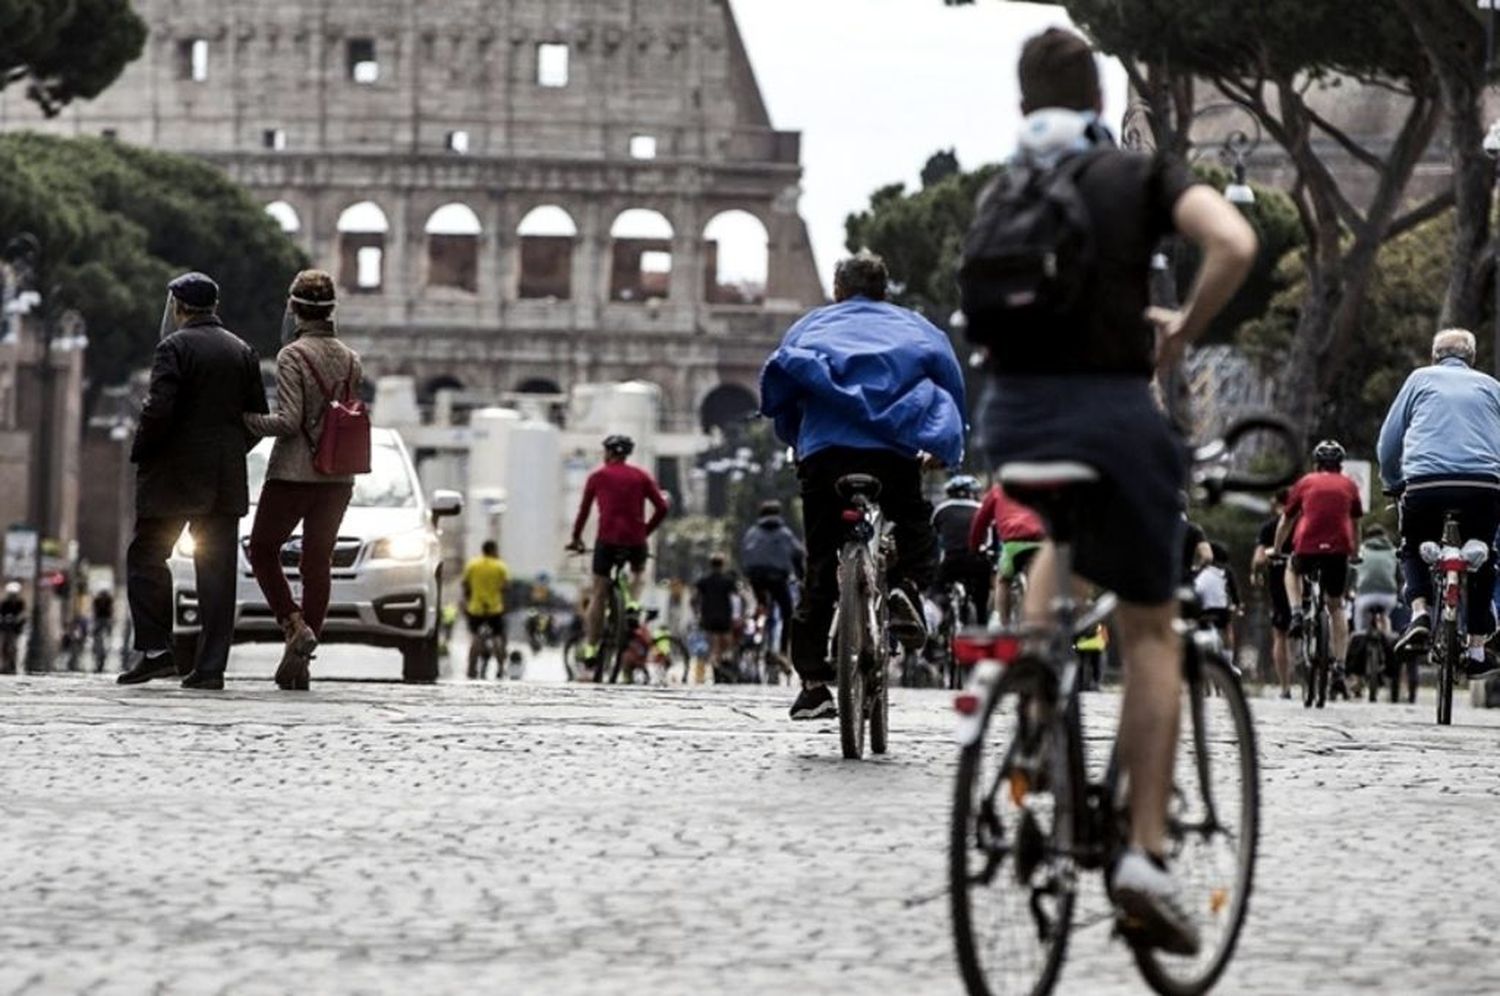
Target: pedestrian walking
pixel 313 369
pixel 713 600
pixel 189 453
pixel 12 622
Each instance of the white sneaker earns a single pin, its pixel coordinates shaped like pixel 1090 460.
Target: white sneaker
pixel 1149 905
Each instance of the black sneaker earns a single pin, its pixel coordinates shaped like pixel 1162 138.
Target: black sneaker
pixel 149 669
pixel 1478 670
pixel 814 703
pixel 907 624
pixel 1414 639
pixel 205 681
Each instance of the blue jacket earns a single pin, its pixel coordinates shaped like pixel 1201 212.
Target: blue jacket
pixel 1444 422
pixel 867 375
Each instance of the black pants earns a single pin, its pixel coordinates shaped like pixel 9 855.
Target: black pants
pixel 215 558
pixel 974 572
pixel 1422 514
pixel 774 586
pixel 903 505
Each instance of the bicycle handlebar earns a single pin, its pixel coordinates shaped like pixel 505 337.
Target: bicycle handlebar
pixel 1213 476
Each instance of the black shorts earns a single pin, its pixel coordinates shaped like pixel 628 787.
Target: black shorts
pixel 1281 606
pixel 715 626
pixel 1128 537
pixel 608 555
pixel 1331 570
pixel 496 623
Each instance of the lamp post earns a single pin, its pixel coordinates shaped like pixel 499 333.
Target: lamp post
pixel 24 254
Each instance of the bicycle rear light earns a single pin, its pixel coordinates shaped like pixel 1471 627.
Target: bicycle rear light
pixel 966 703
pixel 853 515
pixel 969 650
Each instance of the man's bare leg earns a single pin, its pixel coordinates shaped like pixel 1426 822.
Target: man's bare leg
pixel 1281 659
pixel 1149 714
pixel 593 619
pixel 1338 628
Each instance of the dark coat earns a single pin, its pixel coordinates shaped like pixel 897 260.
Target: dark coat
pixel 191 445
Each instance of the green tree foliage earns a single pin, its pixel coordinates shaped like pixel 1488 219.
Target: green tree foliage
pixel 1406 294
pixel 116 223
pixel 65 50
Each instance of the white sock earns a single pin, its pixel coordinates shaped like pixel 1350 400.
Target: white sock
pixel 152 655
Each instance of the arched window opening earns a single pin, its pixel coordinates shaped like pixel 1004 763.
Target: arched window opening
pixel 453 248
pixel 286 216
pixel 727 407
pixel 640 256
pixel 362 231
pixel 737 259
pixel 538 385
pixel 547 234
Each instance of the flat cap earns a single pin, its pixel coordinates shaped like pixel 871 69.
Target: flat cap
pixel 195 290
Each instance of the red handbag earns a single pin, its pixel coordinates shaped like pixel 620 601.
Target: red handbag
pixel 343 444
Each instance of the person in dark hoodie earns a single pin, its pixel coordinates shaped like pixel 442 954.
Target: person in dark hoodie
pixel 771 555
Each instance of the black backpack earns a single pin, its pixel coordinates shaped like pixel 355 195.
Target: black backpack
pixel 1028 262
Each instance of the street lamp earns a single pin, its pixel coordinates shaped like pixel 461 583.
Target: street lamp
pixel 1235 150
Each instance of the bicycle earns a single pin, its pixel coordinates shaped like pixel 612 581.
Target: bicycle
pixel 487 643
pixel 956 616
pixel 613 633
pixel 1027 817
pixel 859 641
pixel 1381 664
pixel 1314 640
pixel 1450 564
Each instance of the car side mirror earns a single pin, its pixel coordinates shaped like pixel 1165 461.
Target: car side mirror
pixel 446 504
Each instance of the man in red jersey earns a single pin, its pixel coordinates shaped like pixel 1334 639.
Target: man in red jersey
pixel 1018 533
pixel 1319 516
pixel 622 491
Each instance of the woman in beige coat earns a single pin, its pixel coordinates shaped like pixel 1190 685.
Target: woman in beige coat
pixel 294 491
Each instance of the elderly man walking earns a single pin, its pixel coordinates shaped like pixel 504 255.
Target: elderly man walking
pixel 189 454
pixel 1440 450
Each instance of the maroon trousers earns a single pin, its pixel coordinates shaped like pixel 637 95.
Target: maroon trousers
pixel 320 509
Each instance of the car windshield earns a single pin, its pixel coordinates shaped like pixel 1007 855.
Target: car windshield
pixel 388 484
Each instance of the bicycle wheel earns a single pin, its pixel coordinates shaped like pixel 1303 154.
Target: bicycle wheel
pixel 1309 670
pixel 1213 827
pixel 848 653
pixel 1011 881
pixel 877 687
pixel 612 641
pixel 1449 652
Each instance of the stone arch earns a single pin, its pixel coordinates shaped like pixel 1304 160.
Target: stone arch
pixel 547 235
pixel 726 407
pixel 362 229
pixel 286 216
pixel 442 382
pixel 453 232
pixel 640 255
pixel 736 258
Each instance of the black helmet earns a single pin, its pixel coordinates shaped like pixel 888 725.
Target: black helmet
pixel 621 446
pixel 962 486
pixel 771 507
pixel 1328 453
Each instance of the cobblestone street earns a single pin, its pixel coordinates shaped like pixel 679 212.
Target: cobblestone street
pixel 542 838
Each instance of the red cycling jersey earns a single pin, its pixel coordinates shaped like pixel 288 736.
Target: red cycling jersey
pixel 1325 504
pixel 622 491
pixel 1013 521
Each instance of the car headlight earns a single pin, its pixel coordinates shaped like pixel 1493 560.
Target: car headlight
pixel 406 546
pixel 185 545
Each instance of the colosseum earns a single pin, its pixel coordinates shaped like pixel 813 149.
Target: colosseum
pixel 515 195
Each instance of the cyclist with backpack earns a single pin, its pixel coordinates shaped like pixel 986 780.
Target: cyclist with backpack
pixel 1055 283
pixel 862 386
pixel 316 377
pixel 771 555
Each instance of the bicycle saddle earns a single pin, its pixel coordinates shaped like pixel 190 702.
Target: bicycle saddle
pixel 1047 476
pixel 857 484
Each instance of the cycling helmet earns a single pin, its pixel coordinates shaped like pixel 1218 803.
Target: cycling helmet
pixel 13 588
pixel 1328 453
pixel 621 446
pixel 962 486
pixel 771 507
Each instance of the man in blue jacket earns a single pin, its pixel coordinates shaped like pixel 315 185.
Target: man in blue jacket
pixel 1440 448
pixel 862 387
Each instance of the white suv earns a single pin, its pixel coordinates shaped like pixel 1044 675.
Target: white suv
pixel 387 567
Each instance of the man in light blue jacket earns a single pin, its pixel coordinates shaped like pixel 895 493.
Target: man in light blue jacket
pixel 862 387
pixel 1440 449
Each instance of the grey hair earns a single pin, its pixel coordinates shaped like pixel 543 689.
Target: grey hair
pixel 1454 342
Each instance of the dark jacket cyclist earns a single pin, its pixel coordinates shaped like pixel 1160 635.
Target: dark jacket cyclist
pixel 771 555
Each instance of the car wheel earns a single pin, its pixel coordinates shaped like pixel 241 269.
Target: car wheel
pixel 419 660
pixel 184 651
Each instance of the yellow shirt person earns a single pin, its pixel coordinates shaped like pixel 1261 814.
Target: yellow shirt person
pixel 484 583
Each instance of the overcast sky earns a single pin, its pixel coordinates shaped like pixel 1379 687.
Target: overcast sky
pixel 876 86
